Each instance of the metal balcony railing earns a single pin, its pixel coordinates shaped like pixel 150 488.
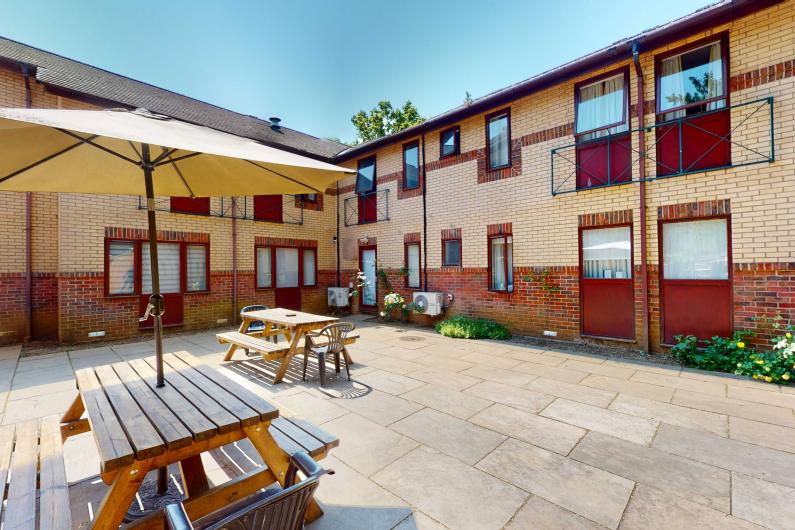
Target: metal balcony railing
pixel 367 208
pixel 292 209
pixel 734 136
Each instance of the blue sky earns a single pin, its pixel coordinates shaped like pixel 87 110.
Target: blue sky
pixel 315 63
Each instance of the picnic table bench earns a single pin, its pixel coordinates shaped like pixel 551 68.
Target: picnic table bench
pixel 292 324
pixel 31 463
pixel 139 427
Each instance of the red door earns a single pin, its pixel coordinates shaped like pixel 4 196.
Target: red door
pixel 288 278
pixel 607 293
pixel 169 256
pixel 696 278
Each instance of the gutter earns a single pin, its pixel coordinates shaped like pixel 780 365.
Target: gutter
pixel 28 226
pixel 642 196
pixel 685 26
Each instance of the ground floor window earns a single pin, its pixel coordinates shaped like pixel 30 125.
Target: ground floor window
pixel 501 263
pixel 606 253
pixel 451 252
pixel 285 267
pixel 412 257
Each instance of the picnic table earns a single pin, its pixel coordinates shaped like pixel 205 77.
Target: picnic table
pixel 292 324
pixel 139 428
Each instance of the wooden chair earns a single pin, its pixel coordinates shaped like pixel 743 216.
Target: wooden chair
pixel 273 509
pixel 335 335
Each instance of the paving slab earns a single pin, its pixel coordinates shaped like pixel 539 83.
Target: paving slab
pixel 652 509
pixel 764 434
pixel 735 407
pixel 348 517
pixel 365 445
pixel 379 407
pixel 494 361
pixel 520 398
pixel 500 375
pixel 583 394
pixel 38 406
pixel 438 376
pixel 705 387
pixel 624 426
pixel 397 352
pixel 777 399
pixel 633 388
pixel 388 382
pixel 310 407
pixel 420 521
pixel 673 414
pixel 537 430
pixel 557 373
pixel 761 462
pixel 396 366
pixel 451 492
pixel 446 363
pixel 540 514
pixel 619 372
pixel 452 436
pixel 585 490
pixel 763 503
pixel 459 404
pixel 702 483
pixel 534 356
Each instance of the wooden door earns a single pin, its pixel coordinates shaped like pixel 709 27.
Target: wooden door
pixel 696 278
pixel 607 293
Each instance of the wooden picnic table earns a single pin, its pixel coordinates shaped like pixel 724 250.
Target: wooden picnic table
pixel 293 324
pixel 139 428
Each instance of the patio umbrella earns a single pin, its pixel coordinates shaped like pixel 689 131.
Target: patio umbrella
pixel 122 152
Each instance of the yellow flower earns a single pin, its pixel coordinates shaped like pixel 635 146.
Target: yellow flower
pixel 760 361
pixel 788 335
pixel 785 377
pixel 768 378
pixel 741 345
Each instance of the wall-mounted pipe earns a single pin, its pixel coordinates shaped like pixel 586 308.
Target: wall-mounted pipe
pixel 639 109
pixel 337 238
pixel 235 313
pixel 424 218
pixel 28 228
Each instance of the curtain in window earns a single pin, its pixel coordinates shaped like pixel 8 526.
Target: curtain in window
pixel 264 267
pixel 601 104
pixel 672 86
pixel 715 76
pixel 498 264
pixel 121 267
pixel 168 265
pixel 452 252
pixel 309 267
pixel 695 250
pixel 197 268
pixel 413 265
pixel 499 150
pixel 286 267
pixel 606 253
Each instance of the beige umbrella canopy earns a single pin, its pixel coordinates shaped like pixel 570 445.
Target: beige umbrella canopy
pixel 121 152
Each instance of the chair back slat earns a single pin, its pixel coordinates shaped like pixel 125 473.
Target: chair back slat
pixel 336 334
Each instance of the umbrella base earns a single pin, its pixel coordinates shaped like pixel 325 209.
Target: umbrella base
pixel 149 501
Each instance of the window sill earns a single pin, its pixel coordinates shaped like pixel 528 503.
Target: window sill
pixel 459 266
pixel 498 168
pixel 442 157
pixel 205 291
pixel 122 296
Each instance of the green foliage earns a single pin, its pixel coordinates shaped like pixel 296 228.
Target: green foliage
pixel 718 354
pixel 383 120
pixel 464 327
pixel 383 277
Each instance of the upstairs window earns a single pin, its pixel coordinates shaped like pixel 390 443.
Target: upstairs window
pixel 194 205
pixel 413 265
pixel 309 197
pixel 501 263
pixel 498 139
pixel 450 141
pixel 365 176
pixel 268 208
pixel 411 165
pixel 692 81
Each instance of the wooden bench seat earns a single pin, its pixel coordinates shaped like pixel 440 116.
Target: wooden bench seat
pixel 31 454
pixel 268 350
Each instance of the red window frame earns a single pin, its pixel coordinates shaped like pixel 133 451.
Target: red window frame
pixel 138 269
pixel 723 38
pixel 444 252
pixel 489 117
pixel 272 258
pixel 309 197
pixel 367 203
pixel 359 164
pixel 264 210
pixel 456 130
pixel 596 79
pixel 491 286
pixel 190 205
pixel 406 246
pixel 406 147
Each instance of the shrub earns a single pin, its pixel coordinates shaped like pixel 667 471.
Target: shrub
pixel 718 354
pixel 777 366
pixel 464 327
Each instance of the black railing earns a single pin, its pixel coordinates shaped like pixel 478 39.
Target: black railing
pixel 735 136
pixel 365 208
pixel 292 209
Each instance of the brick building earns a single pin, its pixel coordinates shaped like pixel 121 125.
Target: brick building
pixel 639 192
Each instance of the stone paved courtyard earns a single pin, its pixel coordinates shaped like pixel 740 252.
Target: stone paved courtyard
pixel 441 433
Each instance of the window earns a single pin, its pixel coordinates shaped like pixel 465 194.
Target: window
pixel 606 253
pixel 268 208
pixel 501 263
pixel 411 165
pixel 309 197
pixel 168 261
pixel 195 205
pixel 449 141
pixel 121 267
pixel 286 267
pixel 692 95
pixel 498 139
pixel 696 250
pixel 264 260
pixel 196 268
pixel 413 265
pixel 365 177
pixel 451 252
pixel 310 266
pixel 604 154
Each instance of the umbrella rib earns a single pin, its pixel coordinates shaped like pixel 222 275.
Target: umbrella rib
pixel 283 176
pixel 165 154
pixel 172 160
pixel 43 160
pixel 183 179
pixel 89 141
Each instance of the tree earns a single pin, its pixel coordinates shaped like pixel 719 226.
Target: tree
pixel 384 120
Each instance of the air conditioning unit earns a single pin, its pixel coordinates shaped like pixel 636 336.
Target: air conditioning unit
pixel 430 304
pixel 338 297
